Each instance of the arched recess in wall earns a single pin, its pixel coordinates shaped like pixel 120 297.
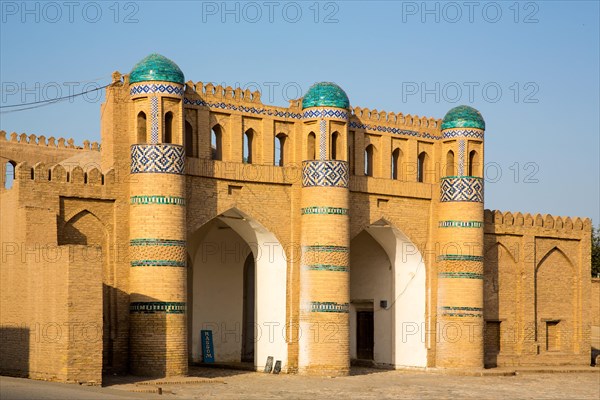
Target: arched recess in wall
pixel 369 160
pixel 248 148
pixel 311 146
pixel 422 166
pixel 280 149
pixel 9 174
pixel 335 145
pixel 500 275
pixel 141 127
pixel 387 298
pixel 85 228
pixel 450 166
pixel 168 128
pixel 216 142
pixel 237 283
pixel 555 301
pixel 189 140
pixel 474 164
pixel 396 163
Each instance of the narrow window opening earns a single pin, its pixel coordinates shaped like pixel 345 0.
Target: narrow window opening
pixel 189 140
pixel 247 151
pixel 215 143
pixel 280 149
pixel 369 151
pixel 168 138
pixel 450 164
pixel 311 146
pixel 141 127
pixel 421 166
pixel 396 157
pixel 335 137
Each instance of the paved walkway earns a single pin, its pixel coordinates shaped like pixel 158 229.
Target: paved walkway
pixel 364 383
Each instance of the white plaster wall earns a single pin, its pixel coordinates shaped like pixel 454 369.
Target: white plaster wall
pixel 399 330
pixel 218 293
pixel 211 299
pixel 371 279
pixel 408 305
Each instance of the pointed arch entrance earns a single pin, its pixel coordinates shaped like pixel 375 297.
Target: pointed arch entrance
pixel 387 291
pixel 237 289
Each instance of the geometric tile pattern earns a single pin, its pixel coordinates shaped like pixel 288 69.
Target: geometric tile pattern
pixel 328 249
pixel 460 275
pixel 472 133
pixel 329 307
pixel 154 120
pixel 144 89
pixel 324 210
pixel 307 114
pixel 462 188
pixel 171 200
pixel 449 311
pixel 461 157
pixel 326 267
pixel 156 307
pixel 459 257
pixel 460 224
pixel 158 158
pixel 252 110
pixel 325 113
pixel 157 263
pixel 156 242
pixel 325 173
pixel 323 140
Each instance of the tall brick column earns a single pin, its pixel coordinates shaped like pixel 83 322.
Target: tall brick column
pixel 157 248
pixel 460 239
pixel 324 275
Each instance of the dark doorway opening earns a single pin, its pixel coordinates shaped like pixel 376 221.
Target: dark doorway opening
pixel 364 335
pixel 248 314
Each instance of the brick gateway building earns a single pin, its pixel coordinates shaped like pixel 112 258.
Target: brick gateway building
pixel 315 234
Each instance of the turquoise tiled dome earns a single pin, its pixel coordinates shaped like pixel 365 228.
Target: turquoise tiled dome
pixel 463 117
pixel 325 94
pixel 156 68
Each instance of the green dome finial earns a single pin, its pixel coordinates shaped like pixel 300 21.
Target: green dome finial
pixel 325 94
pixel 156 68
pixel 463 117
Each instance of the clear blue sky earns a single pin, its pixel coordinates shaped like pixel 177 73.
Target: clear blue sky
pixel 543 128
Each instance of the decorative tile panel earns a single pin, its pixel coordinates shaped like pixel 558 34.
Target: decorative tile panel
pixel 325 113
pixel 157 242
pixel 159 158
pixel 461 188
pixel 153 88
pixel 169 200
pixel 323 140
pixel 154 120
pixel 157 307
pixel 328 249
pixel 449 311
pixel 467 133
pixel 461 157
pixel 329 307
pixel 157 263
pixel 324 211
pixel 459 275
pixel 332 173
pixel 251 110
pixel 460 224
pixel 459 257
pixel 327 267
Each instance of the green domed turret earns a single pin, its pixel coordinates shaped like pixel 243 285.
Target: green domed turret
pixel 463 117
pixel 156 68
pixel 325 94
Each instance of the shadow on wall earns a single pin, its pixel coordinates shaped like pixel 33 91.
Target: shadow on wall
pixel 14 351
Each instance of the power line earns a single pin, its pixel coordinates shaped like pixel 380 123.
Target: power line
pixel 41 103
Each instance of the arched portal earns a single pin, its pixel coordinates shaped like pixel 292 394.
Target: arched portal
pixel 387 290
pixel 237 289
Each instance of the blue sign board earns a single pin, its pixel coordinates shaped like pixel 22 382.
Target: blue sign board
pixel 206 339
